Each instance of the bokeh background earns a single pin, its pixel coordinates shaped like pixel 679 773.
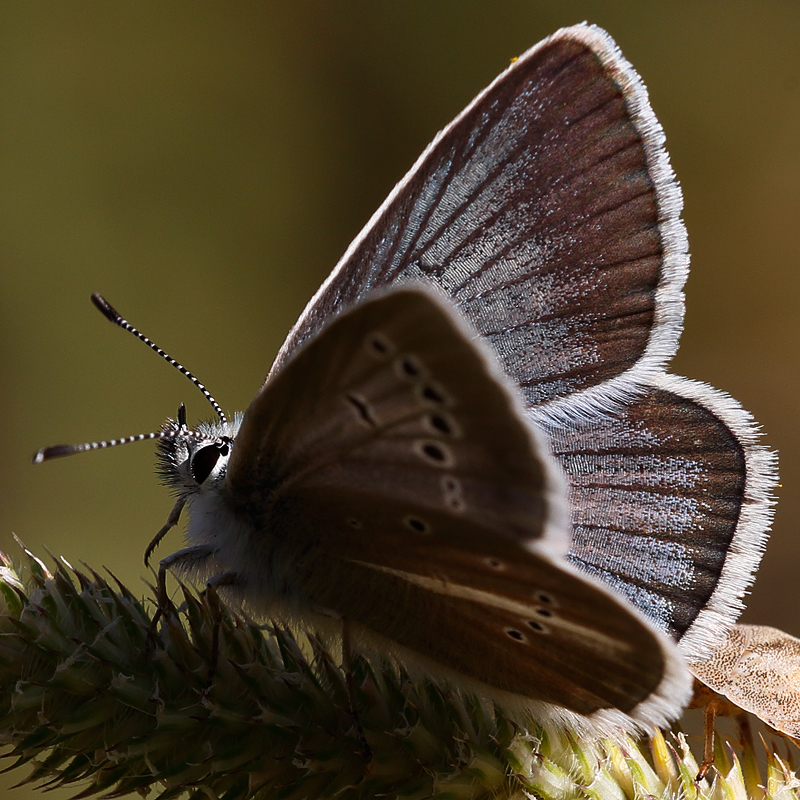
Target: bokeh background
pixel 204 165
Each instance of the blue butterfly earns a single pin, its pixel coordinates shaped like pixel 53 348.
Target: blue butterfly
pixel 468 448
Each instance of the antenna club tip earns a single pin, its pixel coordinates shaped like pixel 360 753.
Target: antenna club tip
pixel 104 307
pixel 57 451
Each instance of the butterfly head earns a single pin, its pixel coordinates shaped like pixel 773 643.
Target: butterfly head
pixel 194 460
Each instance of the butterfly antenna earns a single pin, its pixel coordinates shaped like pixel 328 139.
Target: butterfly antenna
pixel 110 313
pixel 58 450
pixel 173 429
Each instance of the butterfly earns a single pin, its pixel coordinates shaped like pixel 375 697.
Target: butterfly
pixel 468 447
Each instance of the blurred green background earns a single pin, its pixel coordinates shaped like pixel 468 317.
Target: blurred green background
pixel 204 165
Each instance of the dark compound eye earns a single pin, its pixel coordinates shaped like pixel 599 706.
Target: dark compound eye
pixel 205 459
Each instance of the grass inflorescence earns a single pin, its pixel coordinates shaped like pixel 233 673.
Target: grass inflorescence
pixel 94 696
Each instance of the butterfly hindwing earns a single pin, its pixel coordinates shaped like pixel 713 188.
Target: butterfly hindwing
pixel 540 631
pixel 661 494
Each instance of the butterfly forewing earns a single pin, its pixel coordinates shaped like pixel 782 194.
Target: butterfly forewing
pixel 548 213
pixel 393 401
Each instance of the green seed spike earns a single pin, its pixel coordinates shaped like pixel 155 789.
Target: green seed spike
pixel 86 703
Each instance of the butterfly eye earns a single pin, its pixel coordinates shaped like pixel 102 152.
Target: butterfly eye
pixel 205 459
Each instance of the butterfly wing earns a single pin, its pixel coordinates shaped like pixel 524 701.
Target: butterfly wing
pixel 668 505
pixel 381 404
pixel 515 621
pixel 392 460
pixel 548 212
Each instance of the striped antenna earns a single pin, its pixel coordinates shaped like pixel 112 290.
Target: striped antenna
pixel 110 313
pixel 58 450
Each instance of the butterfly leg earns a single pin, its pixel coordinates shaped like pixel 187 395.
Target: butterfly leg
pixel 347 666
pixel 224 579
pixel 172 521
pixel 183 558
pixel 746 731
pixel 714 705
pixel 710 721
